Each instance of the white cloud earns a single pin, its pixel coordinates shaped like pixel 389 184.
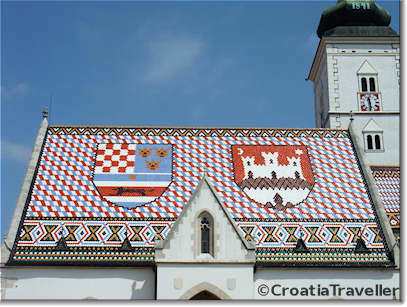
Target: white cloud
pixel 14 151
pixel 170 57
pixel 19 89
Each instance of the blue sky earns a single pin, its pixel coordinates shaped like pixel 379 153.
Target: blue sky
pixel 152 63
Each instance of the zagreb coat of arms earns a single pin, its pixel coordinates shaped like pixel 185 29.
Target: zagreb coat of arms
pixel 275 176
pixel 132 175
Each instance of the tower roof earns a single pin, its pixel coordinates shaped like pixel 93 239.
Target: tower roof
pixel 355 18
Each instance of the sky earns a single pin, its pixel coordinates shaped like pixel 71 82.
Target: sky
pixel 227 64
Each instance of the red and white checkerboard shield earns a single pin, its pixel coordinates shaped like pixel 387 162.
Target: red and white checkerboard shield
pixel 275 176
pixel 132 175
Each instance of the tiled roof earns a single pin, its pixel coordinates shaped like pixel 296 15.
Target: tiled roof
pixel 116 191
pixel 388 183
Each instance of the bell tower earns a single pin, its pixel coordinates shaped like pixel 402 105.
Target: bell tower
pixel 356 74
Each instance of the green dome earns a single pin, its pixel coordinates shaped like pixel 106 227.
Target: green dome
pixel 353 13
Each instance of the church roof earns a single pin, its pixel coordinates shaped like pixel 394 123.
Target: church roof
pixel 107 195
pixel 388 183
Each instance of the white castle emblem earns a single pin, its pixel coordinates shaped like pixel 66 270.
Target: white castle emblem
pixel 275 185
pixel 271 167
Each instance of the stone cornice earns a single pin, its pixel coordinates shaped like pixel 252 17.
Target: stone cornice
pixel 343 40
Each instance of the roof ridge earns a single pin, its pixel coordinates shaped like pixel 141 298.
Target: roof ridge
pixel 193 127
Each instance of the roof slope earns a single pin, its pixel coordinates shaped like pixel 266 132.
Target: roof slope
pixel 106 195
pixel 388 183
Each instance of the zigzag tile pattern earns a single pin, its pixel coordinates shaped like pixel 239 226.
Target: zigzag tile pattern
pixel 323 234
pixel 90 233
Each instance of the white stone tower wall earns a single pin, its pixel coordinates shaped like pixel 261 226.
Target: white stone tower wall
pixel 336 88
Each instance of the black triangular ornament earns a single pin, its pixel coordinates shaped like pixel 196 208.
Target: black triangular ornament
pixel 301 247
pixel 61 244
pixel 126 246
pixel 361 246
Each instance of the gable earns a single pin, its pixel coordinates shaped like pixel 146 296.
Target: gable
pixel 366 69
pixel 183 244
pixel 372 126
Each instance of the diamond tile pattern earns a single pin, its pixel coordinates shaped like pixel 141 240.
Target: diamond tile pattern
pixel 64 187
pixel 388 183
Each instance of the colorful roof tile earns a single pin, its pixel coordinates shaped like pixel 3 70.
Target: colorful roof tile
pixel 107 195
pixel 388 183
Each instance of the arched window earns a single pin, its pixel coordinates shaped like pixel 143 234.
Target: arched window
pixel 364 84
pixel 372 85
pixel 374 141
pixel 369 142
pixel 206 233
pixel 367 78
pixel 377 141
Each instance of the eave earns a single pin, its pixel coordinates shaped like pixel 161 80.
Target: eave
pixel 344 40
